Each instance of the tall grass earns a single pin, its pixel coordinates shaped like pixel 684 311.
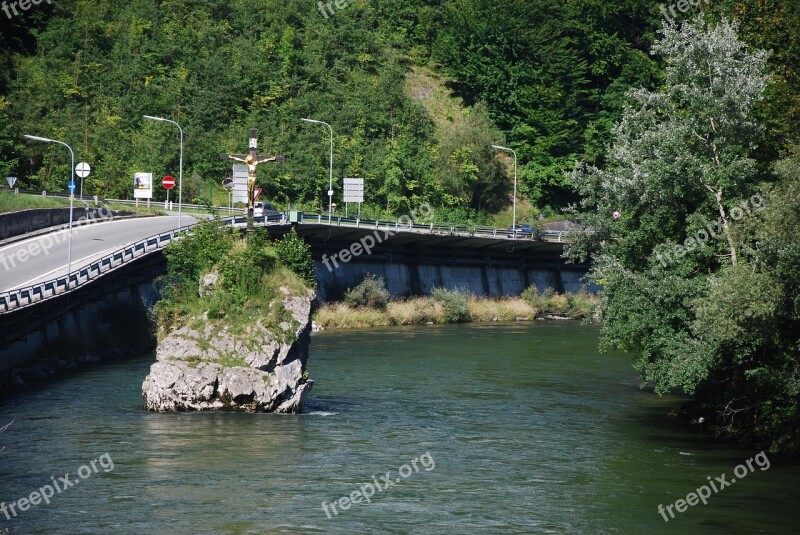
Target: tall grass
pixel 429 310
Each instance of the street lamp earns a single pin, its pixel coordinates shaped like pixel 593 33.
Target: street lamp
pixel 180 164
pixel 71 195
pixel 330 177
pixel 514 216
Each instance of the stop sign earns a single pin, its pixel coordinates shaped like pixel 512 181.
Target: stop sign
pixel 168 182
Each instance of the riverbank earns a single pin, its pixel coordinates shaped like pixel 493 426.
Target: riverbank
pixel 430 310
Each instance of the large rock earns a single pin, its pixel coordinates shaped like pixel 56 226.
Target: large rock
pixel 247 368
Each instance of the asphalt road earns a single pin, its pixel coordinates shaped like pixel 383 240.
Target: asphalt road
pixel 45 257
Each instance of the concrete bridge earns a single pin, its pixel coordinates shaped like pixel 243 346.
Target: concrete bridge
pixel 45 311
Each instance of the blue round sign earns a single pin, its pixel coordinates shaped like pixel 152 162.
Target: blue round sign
pixel 71 186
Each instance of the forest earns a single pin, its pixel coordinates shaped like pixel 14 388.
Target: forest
pixel 549 79
pixel 612 108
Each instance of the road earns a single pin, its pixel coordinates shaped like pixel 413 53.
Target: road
pixel 45 257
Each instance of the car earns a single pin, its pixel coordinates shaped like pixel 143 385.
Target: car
pixel 261 208
pixel 520 231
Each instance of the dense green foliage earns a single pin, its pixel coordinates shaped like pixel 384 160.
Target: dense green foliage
pixel 216 272
pixel 295 254
pixel 549 77
pixel 454 302
pixel 700 271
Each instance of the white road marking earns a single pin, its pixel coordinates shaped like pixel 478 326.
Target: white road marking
pixel 74 262
pixel 74 228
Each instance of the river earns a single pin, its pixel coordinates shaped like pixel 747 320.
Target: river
pixel 500 428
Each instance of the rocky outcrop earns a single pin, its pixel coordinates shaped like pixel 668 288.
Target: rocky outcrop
pixel 218 365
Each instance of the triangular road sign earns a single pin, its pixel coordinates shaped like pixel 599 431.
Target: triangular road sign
pixel 11 181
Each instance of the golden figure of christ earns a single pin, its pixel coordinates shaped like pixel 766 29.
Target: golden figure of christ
pixel 252 160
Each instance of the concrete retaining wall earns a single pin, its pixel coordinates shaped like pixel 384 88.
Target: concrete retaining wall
pixel 25 221
pixel 408 279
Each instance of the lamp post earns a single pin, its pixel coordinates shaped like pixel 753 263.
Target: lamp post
pixel 514 216
pixel 330 176
pixel 71 194
pixel 180 165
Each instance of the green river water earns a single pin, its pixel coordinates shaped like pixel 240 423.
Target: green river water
pixel 513 428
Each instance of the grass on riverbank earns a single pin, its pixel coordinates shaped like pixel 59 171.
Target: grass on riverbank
pixel 9 202
pixel 427 310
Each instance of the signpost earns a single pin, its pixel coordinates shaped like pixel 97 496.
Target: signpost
pixel 228 183
pixel 353 192
pixel 82 170
pixel 143 187
pixel 168 182
pixel 240 184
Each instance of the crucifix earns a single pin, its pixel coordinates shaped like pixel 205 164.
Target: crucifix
pixel 252 160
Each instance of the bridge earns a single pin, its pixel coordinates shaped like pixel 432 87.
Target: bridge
pixel 46 311
pixel 31 265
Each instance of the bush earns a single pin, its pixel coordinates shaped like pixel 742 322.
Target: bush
pixel 195 253
pixel 244 267
pixel 532 297
pixel 295 254
pixel 369 293
pixel 455 303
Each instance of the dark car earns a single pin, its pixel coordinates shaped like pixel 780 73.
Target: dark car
pixel 520 231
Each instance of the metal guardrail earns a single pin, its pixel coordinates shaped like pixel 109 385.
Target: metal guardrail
pixel 90 198
pixel 443 230
pixel 449 230
pixel 23 297
pixel 30 295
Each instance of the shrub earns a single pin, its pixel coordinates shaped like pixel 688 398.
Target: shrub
pixel 195 253
pixel 532 297
pixel 371 292
pixel 244 267
pixel 295 254
pixel 455 303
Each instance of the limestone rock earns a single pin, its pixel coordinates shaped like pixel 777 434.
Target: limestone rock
pixel 251 369
pixel 208 283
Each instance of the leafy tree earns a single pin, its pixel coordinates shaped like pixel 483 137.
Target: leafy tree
pixel 686 286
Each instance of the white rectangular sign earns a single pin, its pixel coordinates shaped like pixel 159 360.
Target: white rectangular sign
pixel 143 185
pixel 240 184
pixel 353 190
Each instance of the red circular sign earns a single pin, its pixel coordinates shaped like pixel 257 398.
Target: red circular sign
pixel 227 183
pixel 168 182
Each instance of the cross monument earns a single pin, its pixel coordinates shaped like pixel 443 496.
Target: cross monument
pixel 251 159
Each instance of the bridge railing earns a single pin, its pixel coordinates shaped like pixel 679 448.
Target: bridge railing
pixel 87 199
pixel 23 297
pixel 446 230
pixel 30 295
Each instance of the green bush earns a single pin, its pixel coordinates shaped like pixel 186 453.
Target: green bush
pixel 455 303
pixel 243 268
pixel 295 254
pixel 533 298
pixel 195 253
pixel 371 292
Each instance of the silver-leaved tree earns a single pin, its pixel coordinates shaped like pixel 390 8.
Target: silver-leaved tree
pixel 676 223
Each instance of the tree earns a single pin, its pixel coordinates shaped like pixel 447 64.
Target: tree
pixel 685 284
